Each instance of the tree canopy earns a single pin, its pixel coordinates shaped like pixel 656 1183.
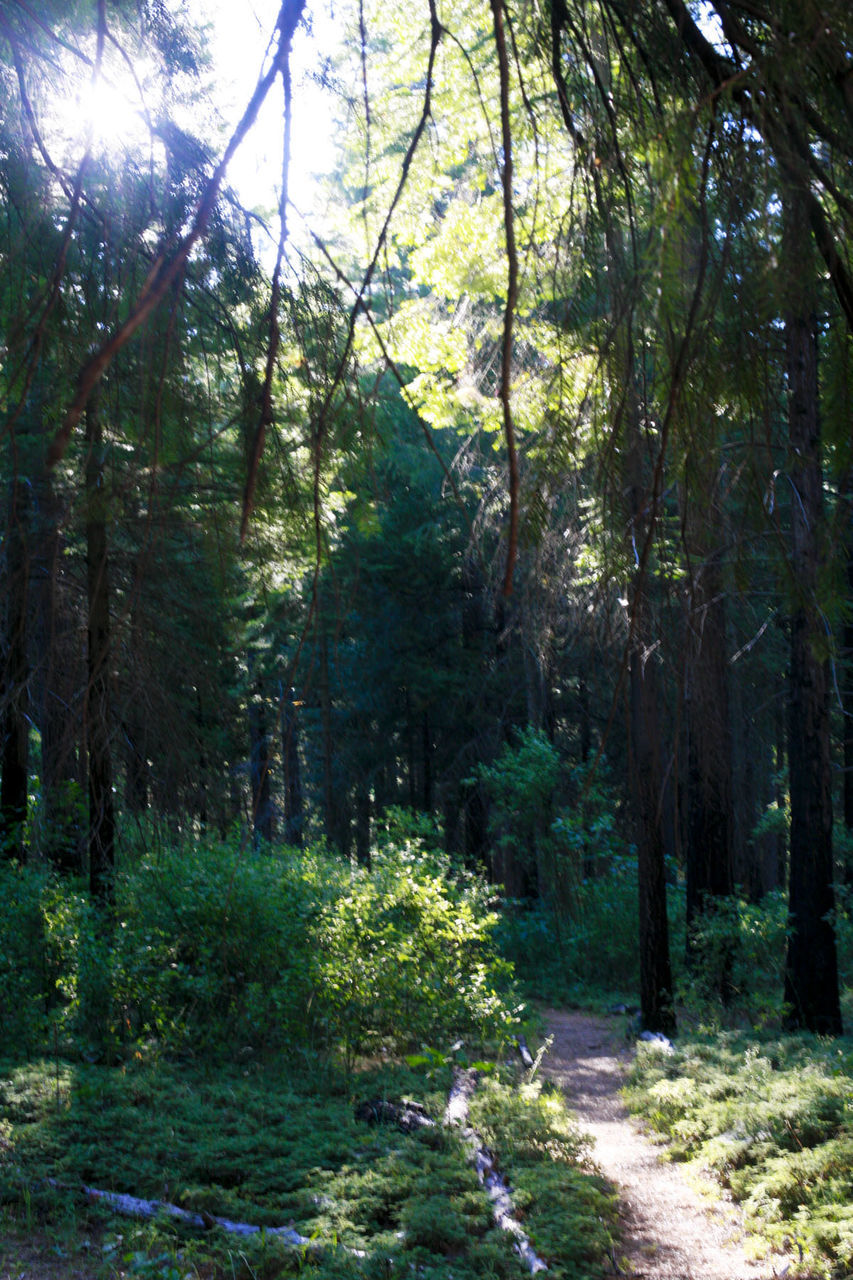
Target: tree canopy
pixel 510 485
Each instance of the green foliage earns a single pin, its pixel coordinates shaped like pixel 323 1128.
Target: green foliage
pixel 774 1119
pixel 215 946
pixel 261 1146
pixel 582 938
pixel 406 954
pixel 42 922
pixel 746 941
pixel 227 951
pixel 23 991
pixel 521 785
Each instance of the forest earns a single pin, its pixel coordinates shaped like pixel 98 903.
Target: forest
pixel 427 598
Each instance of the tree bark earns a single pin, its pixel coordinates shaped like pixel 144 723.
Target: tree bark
pixel 426 741
pixel 13 720
pixel 362 825
pixel 293 813
pixel 710 819
pixel 811 972
pixel 56 687
pixel 656 1002
pixel 259 761
pixel 97 714
pixel 137 791
pixel 847 696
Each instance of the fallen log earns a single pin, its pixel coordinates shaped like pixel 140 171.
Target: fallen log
pixel 503 1210
pixel 404 1115
pixel 136 1207
pixel 524 1052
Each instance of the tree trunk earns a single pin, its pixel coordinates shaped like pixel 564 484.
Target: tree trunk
pixel 293 815
pixel 13 720
pixel 259 762
pixel 426 739
pixel 97 714
pixel 811 973
pixel 336 818
pixel 410 753
pixel 137 790
pixel 58 726
pixel 476 826
pixel 202 787
pixel 656 1003
pixel 847 697
pixel 362 825
pixel 710 864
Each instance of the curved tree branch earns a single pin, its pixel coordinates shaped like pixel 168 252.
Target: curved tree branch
pixel 168 267
pixel 511 293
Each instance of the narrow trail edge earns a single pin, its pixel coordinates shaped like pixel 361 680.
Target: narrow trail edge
pixel 670 1230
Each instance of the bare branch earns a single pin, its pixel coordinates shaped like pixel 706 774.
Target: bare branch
pixel 511 293
pixel 167 268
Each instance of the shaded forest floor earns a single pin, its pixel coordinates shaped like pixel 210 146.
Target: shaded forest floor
pixel 671 1230
pixel 770 1115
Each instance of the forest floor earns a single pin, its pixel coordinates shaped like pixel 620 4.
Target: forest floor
pixel 673 1229
pixel 673 1226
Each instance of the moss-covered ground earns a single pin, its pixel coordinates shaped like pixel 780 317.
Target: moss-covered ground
pixel 272 1148
pixel 773 1117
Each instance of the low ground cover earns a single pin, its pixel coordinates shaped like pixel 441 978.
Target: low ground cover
pixel 272 1148
pixel 773 1117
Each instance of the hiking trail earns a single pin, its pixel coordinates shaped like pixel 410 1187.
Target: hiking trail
pixel 669 1230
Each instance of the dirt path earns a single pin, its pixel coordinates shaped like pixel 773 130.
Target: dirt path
pixel 670 1232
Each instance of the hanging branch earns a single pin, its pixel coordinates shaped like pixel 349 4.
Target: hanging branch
pixel 167 268
pixel 511 294
pixel 266 418
pixel 31 358
pixel 785 140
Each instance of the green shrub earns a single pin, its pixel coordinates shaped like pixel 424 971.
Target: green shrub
pixel 773 1119
pixel 25 959
pixel 214 946
pixel 407 955
pixel 42 922
pixel 218 950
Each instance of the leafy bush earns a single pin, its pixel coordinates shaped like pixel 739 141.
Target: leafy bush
pixel 25 959
pixel 214 946
pixel 407 954
pixel 228 951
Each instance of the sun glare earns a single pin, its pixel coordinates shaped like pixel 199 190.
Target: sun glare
pixel 239 39
pixel 115 116
pixel 108 112
pixel 120 112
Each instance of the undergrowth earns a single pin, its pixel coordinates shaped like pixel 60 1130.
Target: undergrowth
pixel 216 951
pixel 773 1118
pixel 273 1148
